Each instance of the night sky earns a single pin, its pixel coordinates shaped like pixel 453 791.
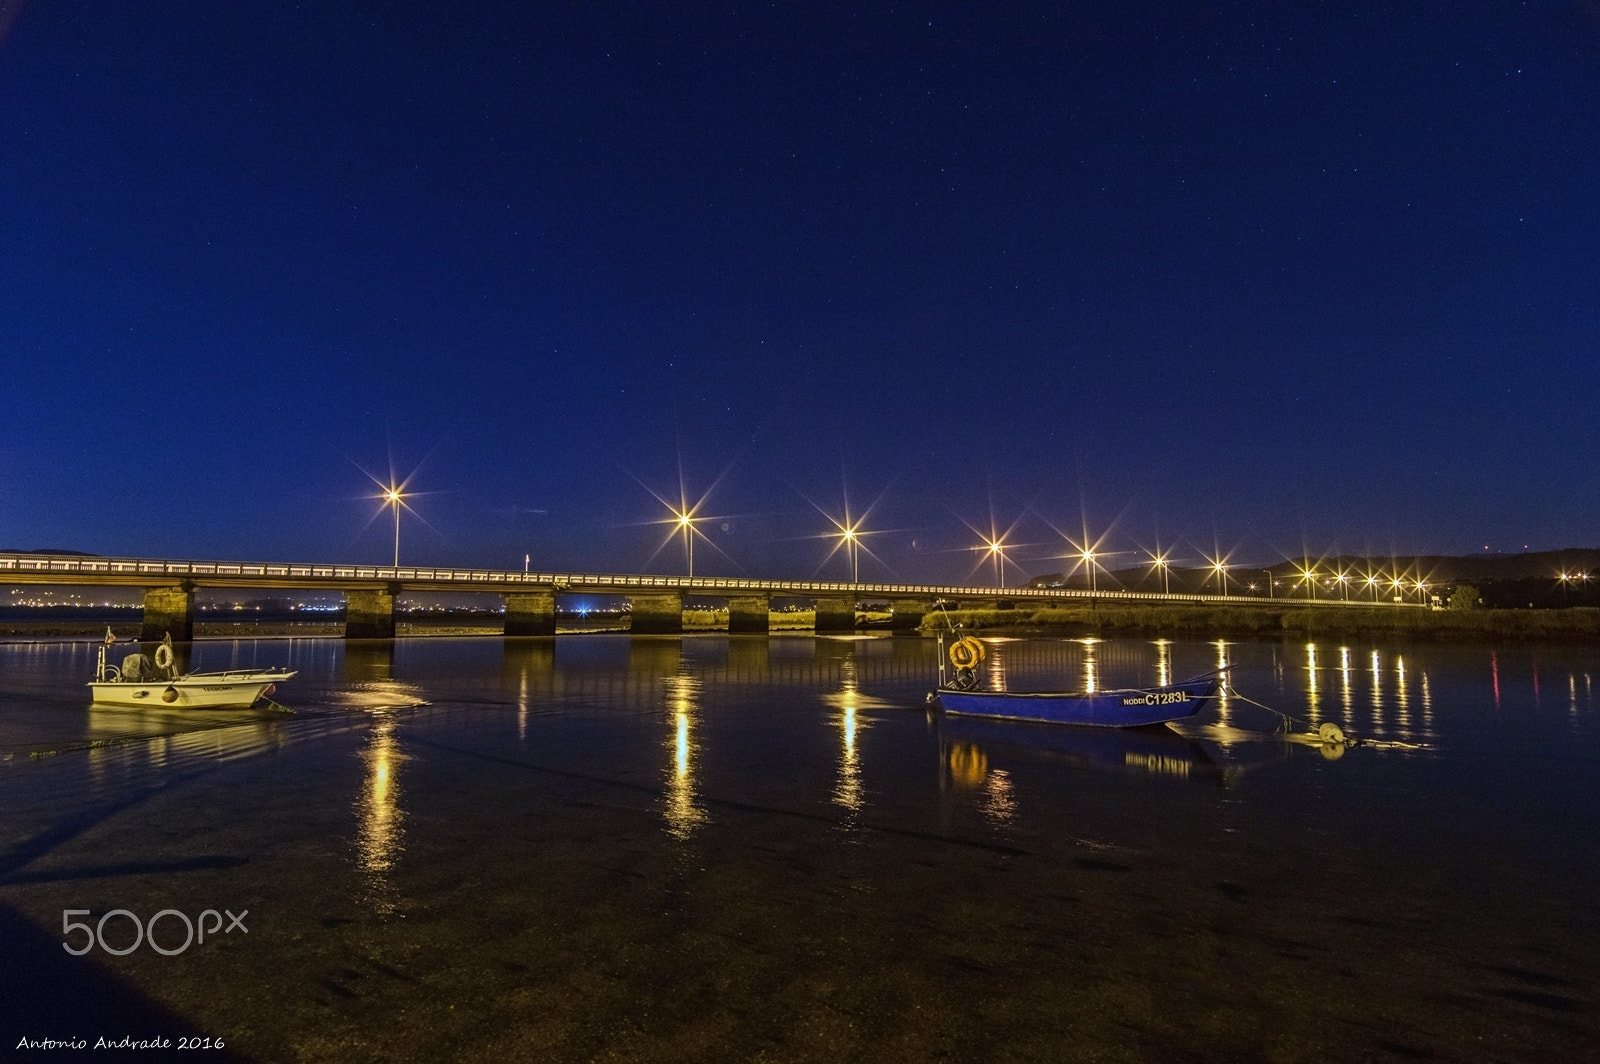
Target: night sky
pixel 1258 279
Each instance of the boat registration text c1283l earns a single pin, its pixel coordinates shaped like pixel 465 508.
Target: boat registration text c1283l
pixel 1156 698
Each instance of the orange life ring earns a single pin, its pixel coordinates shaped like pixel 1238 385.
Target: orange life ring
pixel 966 652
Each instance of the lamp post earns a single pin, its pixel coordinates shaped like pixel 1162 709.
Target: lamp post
pixel 686 522
pixel 1088 560
pixel 996 551
pixel 1221 570
pixel 393 497
pixel 852 547
pixel 1160 562
pixel 1269 581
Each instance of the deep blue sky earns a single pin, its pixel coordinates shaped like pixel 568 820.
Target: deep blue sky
pixel 1273 278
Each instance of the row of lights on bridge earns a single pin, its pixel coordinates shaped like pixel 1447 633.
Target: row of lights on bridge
pixel 850 536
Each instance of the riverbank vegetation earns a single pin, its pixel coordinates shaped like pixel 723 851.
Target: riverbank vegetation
pixel 1202 621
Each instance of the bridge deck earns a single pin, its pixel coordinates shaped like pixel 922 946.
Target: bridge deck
pixel 67 570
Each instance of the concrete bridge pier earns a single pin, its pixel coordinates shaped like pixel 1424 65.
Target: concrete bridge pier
pixel 749 613
pixel 908 613
pixel 369 614
pixel 836 614
pixel 168 609
pixel 657 614
pixel 530 613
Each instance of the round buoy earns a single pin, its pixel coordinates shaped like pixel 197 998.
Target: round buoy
pixel 966 652
pixel 164 658
pixel 169 695
pixel 1329 732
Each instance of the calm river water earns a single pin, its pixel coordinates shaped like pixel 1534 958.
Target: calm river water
pixel 737 849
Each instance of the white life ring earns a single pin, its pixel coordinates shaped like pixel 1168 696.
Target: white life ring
pixel 164 656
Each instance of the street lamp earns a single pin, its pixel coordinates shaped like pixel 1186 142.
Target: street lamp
pixel 1088 560
pixel 686 523
pixel 852 547
pixel 1269 582
pixel 1309 578
pixel 996 551
pixel 1160 562
pixel 1221 569
pixel 393 497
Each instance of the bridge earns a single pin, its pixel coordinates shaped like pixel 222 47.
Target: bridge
pixel 529 598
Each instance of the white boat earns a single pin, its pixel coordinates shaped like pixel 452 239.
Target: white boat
pixel 142 681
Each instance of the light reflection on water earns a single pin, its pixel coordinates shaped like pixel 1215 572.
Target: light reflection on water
pixel 993 667
pixel 381 832
pixel 1376 695
pixel 1347 700
pixel 1313 692
pixel 1223 703
pixel 847 792
pixel 684 816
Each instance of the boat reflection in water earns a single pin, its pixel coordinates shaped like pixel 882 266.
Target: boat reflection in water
pixel 968 746
pixel 969 770
pixel 173 735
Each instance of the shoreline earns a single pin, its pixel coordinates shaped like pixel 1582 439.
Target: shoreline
pixel 1576 625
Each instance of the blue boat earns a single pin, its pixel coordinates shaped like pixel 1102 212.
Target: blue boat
pixel 1125 708
pixel 1130 708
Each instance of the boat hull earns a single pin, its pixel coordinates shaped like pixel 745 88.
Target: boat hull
pixel 223 690
pixel 1134 708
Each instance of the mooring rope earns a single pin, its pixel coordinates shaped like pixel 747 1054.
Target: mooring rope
pixel 1328 731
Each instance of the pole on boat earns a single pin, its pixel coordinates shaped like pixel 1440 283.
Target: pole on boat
pixel 100 663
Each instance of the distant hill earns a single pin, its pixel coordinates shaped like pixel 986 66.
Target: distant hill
pixel 1533 565
pixel 50 550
